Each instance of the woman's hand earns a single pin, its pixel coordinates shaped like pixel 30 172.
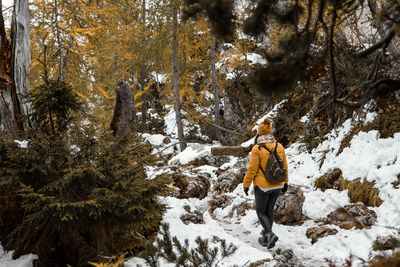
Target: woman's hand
pixel 285 187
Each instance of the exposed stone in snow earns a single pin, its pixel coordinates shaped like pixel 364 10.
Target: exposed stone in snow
pixel 195 186
pixel 286 258
pixel 289 206
pixel 317 232
pixel 352 215
pixel 195 217
pixel 386 243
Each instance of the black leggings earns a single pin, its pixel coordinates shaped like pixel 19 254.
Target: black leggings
pixel 265 202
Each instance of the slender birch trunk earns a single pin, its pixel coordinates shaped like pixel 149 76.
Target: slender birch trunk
pixel 60 45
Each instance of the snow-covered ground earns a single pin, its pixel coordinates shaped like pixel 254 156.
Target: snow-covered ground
pixel 367 157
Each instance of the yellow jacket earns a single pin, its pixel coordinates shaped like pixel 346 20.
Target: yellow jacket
pixel 254 173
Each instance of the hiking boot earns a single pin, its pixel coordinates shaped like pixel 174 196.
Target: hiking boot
pixel 263 240
pixel 264 233
pixel 271 240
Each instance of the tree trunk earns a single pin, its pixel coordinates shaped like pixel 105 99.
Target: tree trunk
pixel 14 72
pixel 215 87
pixel 142 82
pixel 177 101
pixel 237 151
pixel 143 78
pixel 60 45
pixel 123 119
pixel 67 60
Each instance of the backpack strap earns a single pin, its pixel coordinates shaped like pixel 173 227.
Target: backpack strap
pixel 263 145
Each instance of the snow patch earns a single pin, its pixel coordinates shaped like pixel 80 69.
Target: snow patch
pixel 22 144
pixel 188 155
pixel 23 261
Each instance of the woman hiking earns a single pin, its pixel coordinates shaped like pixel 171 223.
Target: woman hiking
pixel 266 193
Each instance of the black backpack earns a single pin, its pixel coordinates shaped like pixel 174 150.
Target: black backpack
pixel 275 172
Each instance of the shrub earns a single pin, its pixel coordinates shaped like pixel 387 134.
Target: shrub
pixel 78 193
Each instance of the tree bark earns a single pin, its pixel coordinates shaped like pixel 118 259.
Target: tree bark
pixel 60 45
pixel 215 87
pixel 143 75
pixel 123 119
pixel 14 71
pixel 177 101
pixel 67 60
pixel 8 125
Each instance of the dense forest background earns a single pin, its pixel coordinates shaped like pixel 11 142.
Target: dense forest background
pixel 83 80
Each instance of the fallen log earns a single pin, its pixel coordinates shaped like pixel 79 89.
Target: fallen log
pixel 237 151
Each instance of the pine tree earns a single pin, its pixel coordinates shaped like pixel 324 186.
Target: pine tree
pixel 81 193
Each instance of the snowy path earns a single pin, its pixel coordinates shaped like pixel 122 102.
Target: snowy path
pixel 289 239
pixel 362 158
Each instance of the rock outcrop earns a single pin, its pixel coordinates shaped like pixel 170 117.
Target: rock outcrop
pixel 331 180
pixel 195 217
pixel 318 232
pixel 222 201
pixel 352 215
pixel 195 186
pixel 289 206
pixel 386 243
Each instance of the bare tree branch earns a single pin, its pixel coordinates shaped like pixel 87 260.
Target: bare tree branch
pixel 382 43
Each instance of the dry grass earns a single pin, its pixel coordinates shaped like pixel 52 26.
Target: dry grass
pixel 388 120
pixel 364 192
pixel 387 260
pixel 346 141
pixel 358 192
pixel 329 180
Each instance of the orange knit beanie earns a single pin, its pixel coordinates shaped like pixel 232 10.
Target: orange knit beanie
pixel 265 127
